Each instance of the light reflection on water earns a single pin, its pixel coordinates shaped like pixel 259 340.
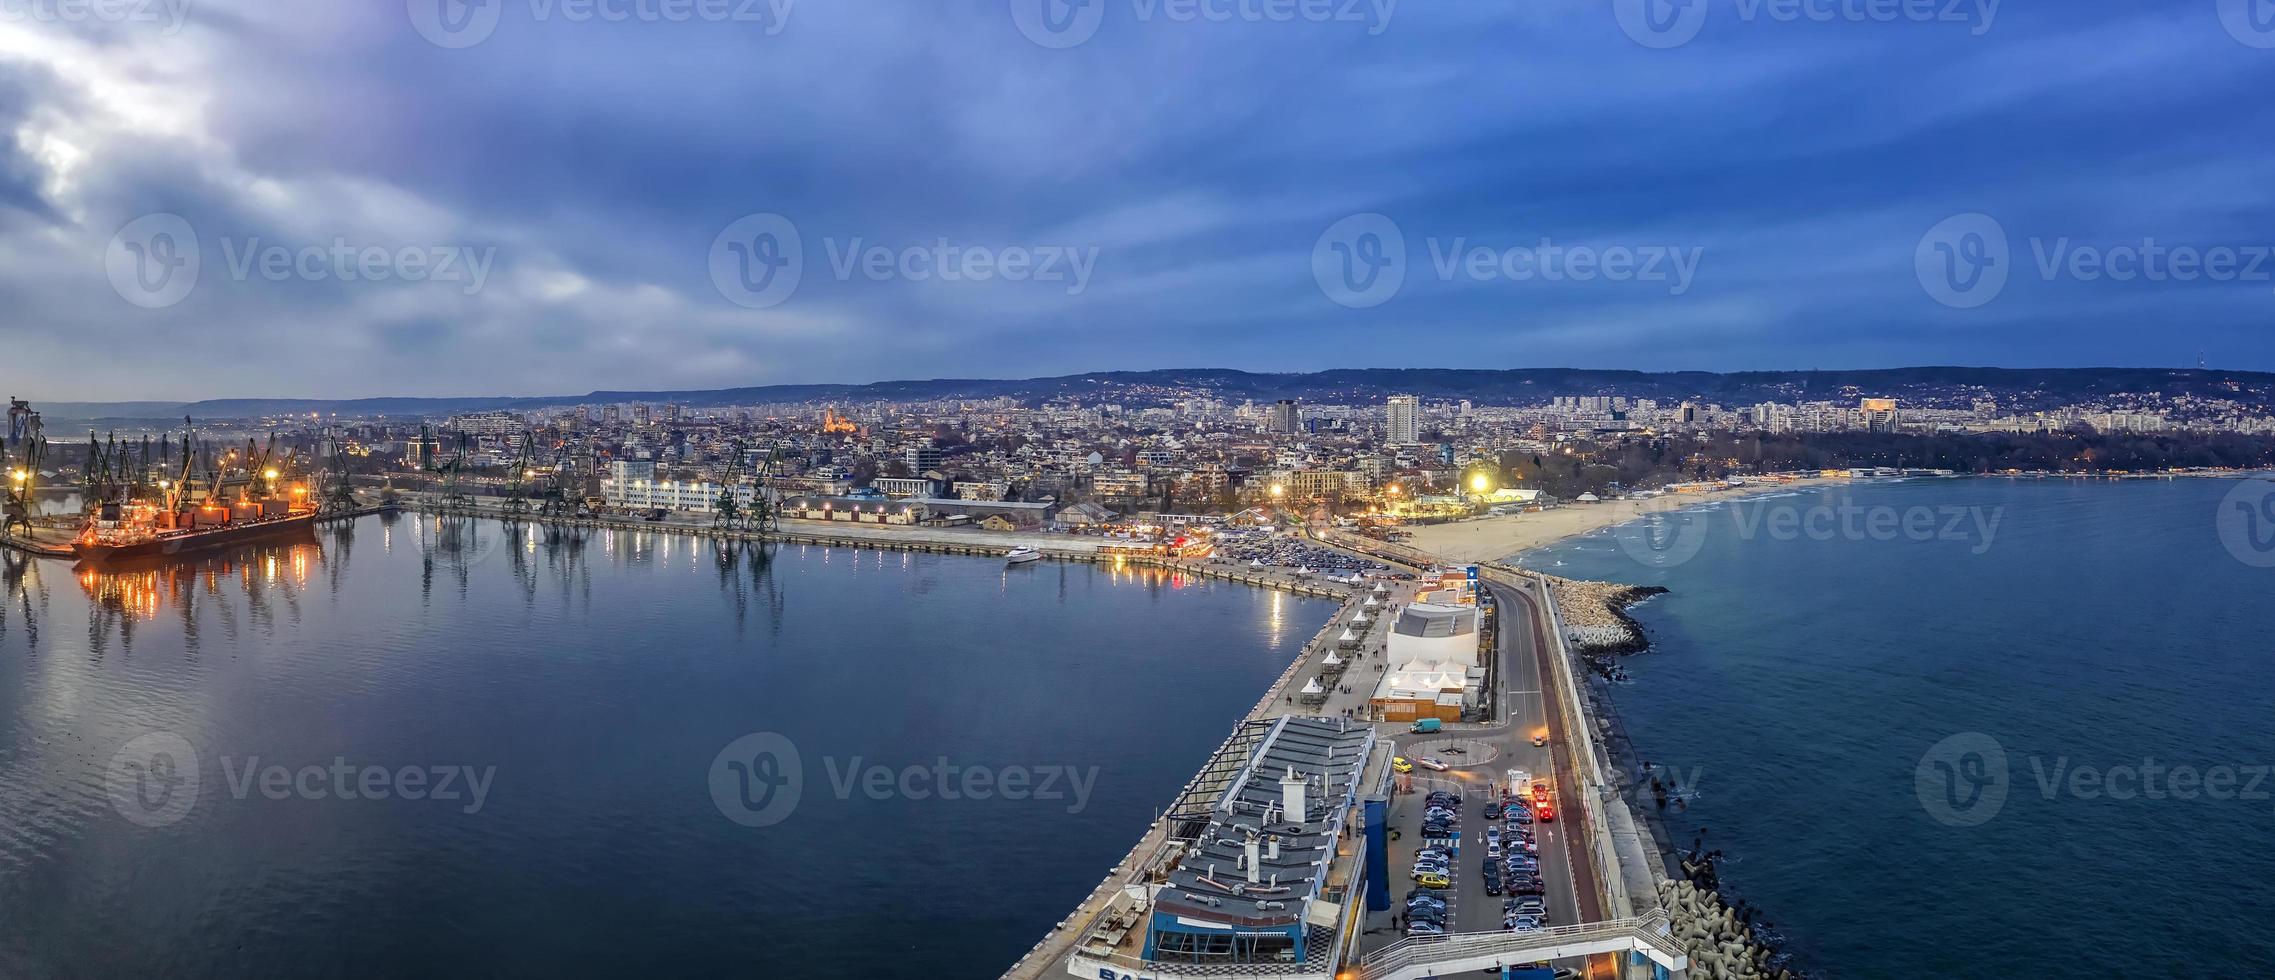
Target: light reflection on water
pixel 600 672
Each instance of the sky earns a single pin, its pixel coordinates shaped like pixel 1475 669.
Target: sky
pixel 220 198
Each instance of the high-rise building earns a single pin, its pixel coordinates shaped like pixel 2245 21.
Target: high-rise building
pixel 1286 417
pixel 923 456
pixel 1878 415
pixel 1405 420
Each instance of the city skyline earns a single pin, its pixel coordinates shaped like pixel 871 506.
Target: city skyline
pixel 1566 188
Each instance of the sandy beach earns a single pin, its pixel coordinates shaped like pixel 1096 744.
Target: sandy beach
pixel 1498 538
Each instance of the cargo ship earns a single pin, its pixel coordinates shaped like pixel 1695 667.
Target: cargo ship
pixel 128 532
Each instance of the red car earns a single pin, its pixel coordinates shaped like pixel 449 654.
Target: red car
pixel 1546 813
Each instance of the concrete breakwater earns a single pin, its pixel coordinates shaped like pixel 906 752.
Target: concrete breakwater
pixel 1722 940
pixel 1596 620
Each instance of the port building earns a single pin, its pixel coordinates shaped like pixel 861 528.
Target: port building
pixel 1430 655
pixel 1266 864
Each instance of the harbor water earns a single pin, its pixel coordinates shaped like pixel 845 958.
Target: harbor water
pixel 421 747
pixel 1928 749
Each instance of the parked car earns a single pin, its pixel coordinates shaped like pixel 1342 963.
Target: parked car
pixel 1492 835
pixel 1400 764
pixel 1425 929
pixel 1433 880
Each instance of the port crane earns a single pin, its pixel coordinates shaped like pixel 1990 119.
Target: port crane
pixel 726 514
pixel 518 475
pixel 561 495
pixel 337 493
pixel 455 499
pixel 30 449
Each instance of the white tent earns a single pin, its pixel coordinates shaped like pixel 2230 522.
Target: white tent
pixel 1312 687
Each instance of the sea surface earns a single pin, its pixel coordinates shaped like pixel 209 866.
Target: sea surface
pixel 416 748
pixel 1953 753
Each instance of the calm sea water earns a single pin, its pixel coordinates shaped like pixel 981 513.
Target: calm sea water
pixel 593 687
pixel 1955 756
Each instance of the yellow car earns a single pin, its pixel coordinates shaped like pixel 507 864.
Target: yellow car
pixel 1429 880
pixel 1398 763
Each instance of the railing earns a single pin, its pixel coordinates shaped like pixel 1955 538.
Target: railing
pixel 1132 966
pixel 1440 955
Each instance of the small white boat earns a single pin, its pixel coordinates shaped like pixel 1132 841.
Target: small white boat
pixel 1021 555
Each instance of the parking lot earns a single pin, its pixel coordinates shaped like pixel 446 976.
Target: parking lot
pixel 1478 777
pixel 1288 551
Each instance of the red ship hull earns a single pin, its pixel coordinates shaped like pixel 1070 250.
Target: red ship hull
pixel 190 542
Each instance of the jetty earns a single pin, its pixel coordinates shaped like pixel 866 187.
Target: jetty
pixel 1619 925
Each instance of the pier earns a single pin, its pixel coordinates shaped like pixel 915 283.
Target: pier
pixel 1605 881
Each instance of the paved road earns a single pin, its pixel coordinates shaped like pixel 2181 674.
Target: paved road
pixel 1563 863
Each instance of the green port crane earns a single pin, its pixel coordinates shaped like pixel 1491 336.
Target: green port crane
pixel 455 499
pixel 562 493
pixel 29 451
pixel 726 514
pixel 518 474
pixel 336 495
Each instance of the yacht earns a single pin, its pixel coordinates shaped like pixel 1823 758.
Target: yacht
pixel 1022 555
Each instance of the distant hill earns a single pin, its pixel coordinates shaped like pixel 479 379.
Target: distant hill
pixel 1957 386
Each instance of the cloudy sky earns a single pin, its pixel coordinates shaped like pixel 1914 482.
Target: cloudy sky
pixel 207 198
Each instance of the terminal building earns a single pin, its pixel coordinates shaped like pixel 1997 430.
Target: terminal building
pixel 1267 863
pixel 1432 653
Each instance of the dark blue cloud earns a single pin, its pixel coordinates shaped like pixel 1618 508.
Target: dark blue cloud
pixel 1799 162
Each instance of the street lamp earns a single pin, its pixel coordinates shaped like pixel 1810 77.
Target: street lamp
pixel 1480 483
pixel 1278 491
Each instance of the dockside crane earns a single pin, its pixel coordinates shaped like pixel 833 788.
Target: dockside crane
pixel 518 476
pixel 562 493
pixel 455 499
pixel 726 514
pixel 764 502
pixel 337 494
pixel 27 450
